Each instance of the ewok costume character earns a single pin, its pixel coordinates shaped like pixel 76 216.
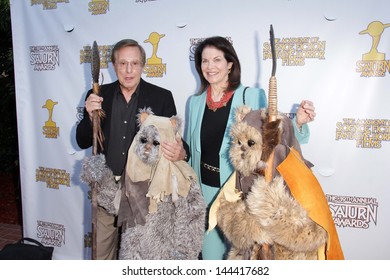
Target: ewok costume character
pixel 162 211
pixel 272 207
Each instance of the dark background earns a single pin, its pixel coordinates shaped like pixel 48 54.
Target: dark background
pixel 10 199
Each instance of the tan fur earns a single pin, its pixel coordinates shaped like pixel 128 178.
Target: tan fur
pixel 235 254
pixel 142 116
pixel 270 215
pixel 268 223
pixel 241 154
pixel 241 112
pixel 239 226
pixel 176 121
pixel 284 219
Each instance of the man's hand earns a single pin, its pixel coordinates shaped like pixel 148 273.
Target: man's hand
pixel 93 103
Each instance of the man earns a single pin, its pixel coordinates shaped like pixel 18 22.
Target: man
pixel 121 101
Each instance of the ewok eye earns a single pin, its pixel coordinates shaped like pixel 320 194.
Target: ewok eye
pixel 156 143
pixel 143 140
pixel 251 143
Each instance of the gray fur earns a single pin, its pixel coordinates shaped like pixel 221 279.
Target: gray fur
pixel 147 148
pixel 173 232
pixel 94 172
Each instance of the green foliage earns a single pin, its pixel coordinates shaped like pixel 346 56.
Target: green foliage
pixel 8 126
pixel 5 20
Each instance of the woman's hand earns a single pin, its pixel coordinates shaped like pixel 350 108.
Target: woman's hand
pixel 305 113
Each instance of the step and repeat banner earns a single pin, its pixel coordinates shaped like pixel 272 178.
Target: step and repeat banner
pixel 335 53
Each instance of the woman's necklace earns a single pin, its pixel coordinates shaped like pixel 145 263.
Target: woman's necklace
pixel 214 105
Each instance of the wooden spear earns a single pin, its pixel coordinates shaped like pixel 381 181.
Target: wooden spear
pixel 272 101
pixel 265 250
pixel 97 139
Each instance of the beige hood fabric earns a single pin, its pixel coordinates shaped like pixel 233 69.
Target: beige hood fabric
pixel 164 177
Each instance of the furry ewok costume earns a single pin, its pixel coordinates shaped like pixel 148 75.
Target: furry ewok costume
pixel 161 208
pixel 272 207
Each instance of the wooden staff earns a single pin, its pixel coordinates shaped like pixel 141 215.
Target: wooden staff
pixel 265 249
pixel 96 140
pixel 272 102
pixel 272 90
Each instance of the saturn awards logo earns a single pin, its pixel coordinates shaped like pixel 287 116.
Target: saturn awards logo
pixel 50 129
pixel 104 53
pixel 79 114
pixel 48 4
pixel 51 234
pixel 144 1
pixel 295 50
pixel 98 7
pixel 52 177
pixel 374 63
pixel 44 58
pixel 368 133
pixel 352 211
pixel 155 68
pixel 194 43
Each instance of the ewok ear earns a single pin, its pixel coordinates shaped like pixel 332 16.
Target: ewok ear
pixel 241 112
pixel 176 123
pixel 143 115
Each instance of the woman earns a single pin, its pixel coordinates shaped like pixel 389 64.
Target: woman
pixel 211 113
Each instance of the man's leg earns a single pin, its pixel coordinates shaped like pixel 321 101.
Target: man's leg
pixel 107 236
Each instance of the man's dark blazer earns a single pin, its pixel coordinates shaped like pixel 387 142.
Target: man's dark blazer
pixel 160 100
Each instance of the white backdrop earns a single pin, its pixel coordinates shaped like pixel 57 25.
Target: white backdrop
pixel 335 53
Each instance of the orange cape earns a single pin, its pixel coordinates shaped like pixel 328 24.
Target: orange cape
pixel 298 177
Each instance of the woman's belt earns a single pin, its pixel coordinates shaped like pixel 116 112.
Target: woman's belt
pixel 209 167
